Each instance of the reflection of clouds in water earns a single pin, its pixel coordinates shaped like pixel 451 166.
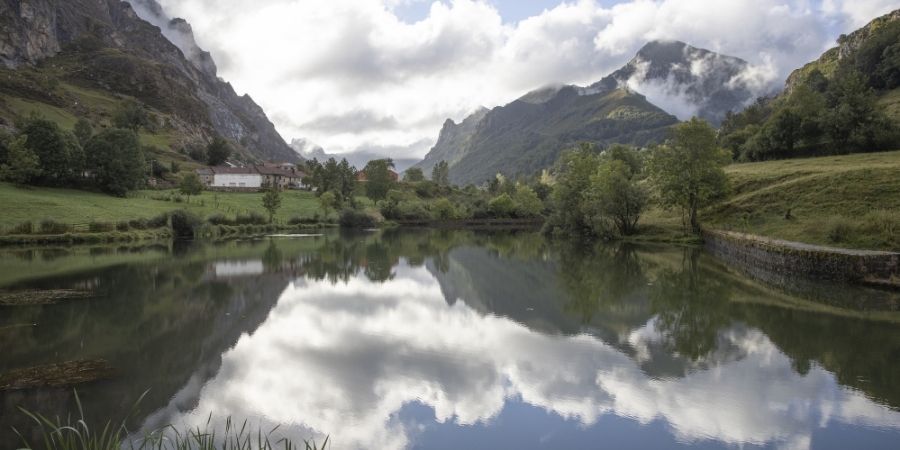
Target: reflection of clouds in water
pixel 343 360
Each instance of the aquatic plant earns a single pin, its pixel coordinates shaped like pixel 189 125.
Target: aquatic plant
pixel 77 434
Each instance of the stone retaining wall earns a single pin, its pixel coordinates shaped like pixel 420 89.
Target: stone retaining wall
pixel 777 261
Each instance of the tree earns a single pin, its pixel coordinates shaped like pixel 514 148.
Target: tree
pixel 573 179
pixel 116 161
pixel 131 115
pixel 527 202
pixel 440 174
pixel 46 140
pixel 271 201
pixel 502 206
pixel 83 130
pixel 379 179
pixel 327 202
pixel 854 121
pixel 346 178
pixel 444 209
pixel 413 175
pixel 218 151
pixel 615 197
pixel 687 173
pixel 190 184
pixel 22 165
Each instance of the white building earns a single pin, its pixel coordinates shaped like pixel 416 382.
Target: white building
pixel 236 178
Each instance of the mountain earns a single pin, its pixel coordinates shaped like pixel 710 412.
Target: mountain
pixel 452 141
pixel 633 105
pixel 358 159
pixel 685 81
pixel 81 58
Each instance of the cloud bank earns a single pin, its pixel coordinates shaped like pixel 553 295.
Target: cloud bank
pixel 350 73
pixel 344 359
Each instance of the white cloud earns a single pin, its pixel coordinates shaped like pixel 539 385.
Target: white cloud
pixel 344 359
pixel 305 61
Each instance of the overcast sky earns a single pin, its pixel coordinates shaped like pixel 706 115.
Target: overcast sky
pixel 385 74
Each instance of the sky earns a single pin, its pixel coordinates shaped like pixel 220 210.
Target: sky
pixel 383 75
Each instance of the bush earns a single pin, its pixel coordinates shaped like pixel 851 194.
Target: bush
pixel 184 224
pixel 502 206
pixel 219 219
pixel 22 228
pixel 297 220
pixel 159 221
pixel 252 218
pixel 351 218
pixel 122 226
pixel 50 226
pixel 838 229
pixel 444 209
pixel 100 227
pixel 138 224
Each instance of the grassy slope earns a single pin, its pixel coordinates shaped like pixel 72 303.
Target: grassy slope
pixel 72 206
pixel 816 190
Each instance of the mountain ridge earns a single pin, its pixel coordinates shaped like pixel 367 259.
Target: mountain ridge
pixel 104 45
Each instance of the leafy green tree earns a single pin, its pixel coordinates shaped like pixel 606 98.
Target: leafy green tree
pixel 83 130
pixel 413 175
pixel 615 197
pixel 115 160
pixel 271 201
pixel 190 184
pixel 22 165
pixel 131 115
pixel 443 209
pixel 174 167
pixel 573 179
pixel 527 202
pixel 218 151
pixel 328 202
pixel 346 178
pixel 687 173
pixel 854 121
pixel 440 174
pixel 48 142
pixel 379 178
pixel 502 206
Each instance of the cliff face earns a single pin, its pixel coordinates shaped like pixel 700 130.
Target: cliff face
pixel 107 45
pixel 452 141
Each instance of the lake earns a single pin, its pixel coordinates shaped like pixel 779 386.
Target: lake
pixel 456 339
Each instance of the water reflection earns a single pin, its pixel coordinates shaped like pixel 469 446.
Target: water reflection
pixel 400 339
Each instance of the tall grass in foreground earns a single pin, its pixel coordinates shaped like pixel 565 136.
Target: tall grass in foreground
pixel 78 435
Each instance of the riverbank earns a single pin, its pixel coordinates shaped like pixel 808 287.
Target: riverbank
pixel 778 261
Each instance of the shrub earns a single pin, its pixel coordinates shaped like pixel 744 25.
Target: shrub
pixel 122 226
pixel 138 224
pixel 50 226
pixel 252 218
pixel 444 210
pixel 184 224
pixel 502 206
pixel 100 227
pixel 158 221
pixel 297 220
pixel 838 229
pixel 219 219
pixel 22 228
pixel 351 218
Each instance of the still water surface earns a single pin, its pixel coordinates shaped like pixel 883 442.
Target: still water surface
pixel 453 340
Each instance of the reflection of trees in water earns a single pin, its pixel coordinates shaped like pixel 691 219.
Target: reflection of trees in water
pixel 598 278
pixel 691 307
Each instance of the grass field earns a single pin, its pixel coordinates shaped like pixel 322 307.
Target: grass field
pixel 848 201
pixel 21 204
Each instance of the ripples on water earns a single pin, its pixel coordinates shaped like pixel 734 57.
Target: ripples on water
pixel 461 340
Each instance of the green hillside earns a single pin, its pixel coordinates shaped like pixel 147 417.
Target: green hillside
pixel 848 201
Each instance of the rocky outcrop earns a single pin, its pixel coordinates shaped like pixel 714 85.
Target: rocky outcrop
pixel 107 45
pixel 452 141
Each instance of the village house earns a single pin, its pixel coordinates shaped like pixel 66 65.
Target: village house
pixel 251 177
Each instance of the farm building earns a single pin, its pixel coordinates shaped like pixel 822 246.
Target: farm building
pixel 251 177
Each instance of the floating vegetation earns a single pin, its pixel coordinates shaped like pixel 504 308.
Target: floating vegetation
pixel 66 374
pixel 33 297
